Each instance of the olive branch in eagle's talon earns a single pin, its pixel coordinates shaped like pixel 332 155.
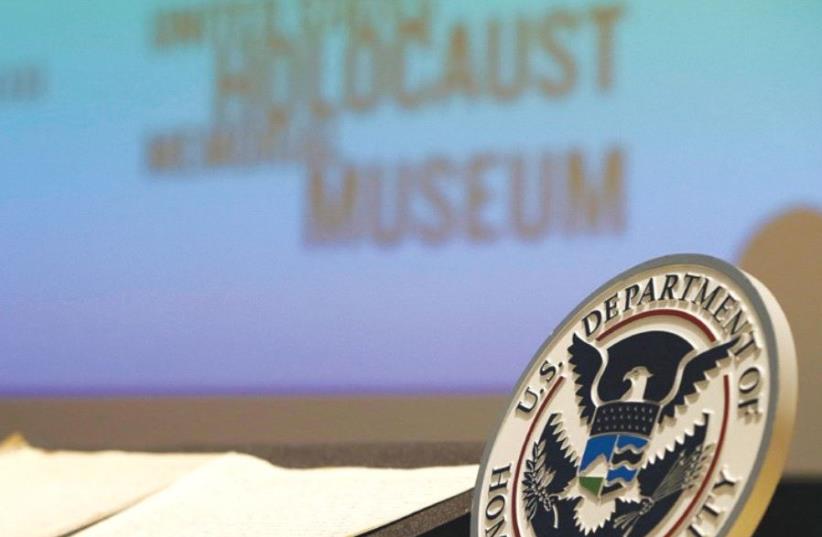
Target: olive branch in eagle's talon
pixel 536 480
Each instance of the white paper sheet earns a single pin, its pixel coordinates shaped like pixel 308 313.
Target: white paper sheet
pixel 241 496
pixel 46 494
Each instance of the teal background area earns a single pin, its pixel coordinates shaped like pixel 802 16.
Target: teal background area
pixel 118 279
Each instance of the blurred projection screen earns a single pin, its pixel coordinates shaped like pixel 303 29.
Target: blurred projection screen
pixel 372 197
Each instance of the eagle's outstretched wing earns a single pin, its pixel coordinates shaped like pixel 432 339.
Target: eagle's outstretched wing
pixel 551 467
pixel 695 371
pixel 586 363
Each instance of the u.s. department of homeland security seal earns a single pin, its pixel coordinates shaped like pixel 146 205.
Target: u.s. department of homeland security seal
pixel 662 406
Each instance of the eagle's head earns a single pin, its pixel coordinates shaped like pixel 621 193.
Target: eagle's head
pixel 638 377
pixel 638 373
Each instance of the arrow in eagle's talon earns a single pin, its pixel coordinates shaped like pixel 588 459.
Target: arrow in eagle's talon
pixel 629 520
pixel 646 505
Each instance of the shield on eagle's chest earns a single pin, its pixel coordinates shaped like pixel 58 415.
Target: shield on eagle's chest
pixel 613 454
pixel 610 461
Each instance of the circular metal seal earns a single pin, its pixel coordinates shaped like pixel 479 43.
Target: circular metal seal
pixel 662 406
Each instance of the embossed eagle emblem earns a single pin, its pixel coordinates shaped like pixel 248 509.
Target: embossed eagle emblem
pixel 628 474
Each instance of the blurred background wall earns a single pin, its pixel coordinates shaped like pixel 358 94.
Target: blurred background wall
pixel 377 202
